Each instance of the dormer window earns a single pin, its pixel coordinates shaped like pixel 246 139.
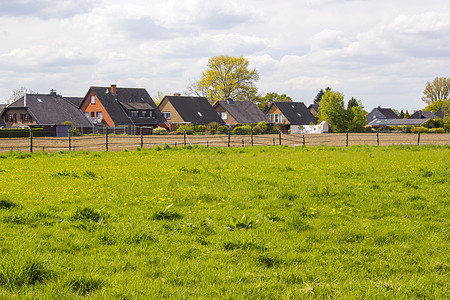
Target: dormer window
pixel 144 113
pixel 134 113
pixel 92 99
pixel 150 114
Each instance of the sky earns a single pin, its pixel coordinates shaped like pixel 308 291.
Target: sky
pixel 382 52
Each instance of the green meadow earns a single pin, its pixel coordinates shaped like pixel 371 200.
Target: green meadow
pixel 226 223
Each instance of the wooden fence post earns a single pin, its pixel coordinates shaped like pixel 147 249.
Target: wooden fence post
pixel 184 138
pixel 304 144
pixel 418 139
pixel 251 136
pixel 31 139
pixel 106 138
pixel 346 140
pixel 279 136
pixel 242 142
pixel 70 142
pixel 142 138
pixel 229 136
pixel 378 139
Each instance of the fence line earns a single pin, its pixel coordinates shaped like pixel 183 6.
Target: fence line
pixel 111 142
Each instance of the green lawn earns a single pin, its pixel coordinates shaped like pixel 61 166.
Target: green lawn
pixel 234 223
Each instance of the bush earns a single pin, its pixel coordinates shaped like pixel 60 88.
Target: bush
pixel 436 123
pixel 436 130
pixel 264 126
pixel 257 130
pixel 200 128
pixel 222 129
pixel 241 130
pixel 419 130
pixel 212 127
pixel 188 128
pixel 160 131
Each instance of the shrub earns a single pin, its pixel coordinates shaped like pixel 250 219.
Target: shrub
pixel 419 130
pixel 20 132
pixel 222 129
pixel 241 130
pixel 257 130
pixel 160 131
pixel 436 123
pixel 188 128
pixel 212 127
pixel 436 130
pixel 200 128
pixel 166 147
pixel 264 126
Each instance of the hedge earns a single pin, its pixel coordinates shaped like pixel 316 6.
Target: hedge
pixel 20 132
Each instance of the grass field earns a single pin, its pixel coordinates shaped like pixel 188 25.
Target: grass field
pixel 226 223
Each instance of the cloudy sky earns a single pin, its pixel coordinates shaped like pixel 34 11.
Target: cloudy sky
pixel 379 51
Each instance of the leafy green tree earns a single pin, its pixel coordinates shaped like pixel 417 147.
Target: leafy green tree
pixel 263 103
pixel 436 105
pixel 227 77
pixel 438 89
pixel 401 114
pixel 320 94
pixel 332 109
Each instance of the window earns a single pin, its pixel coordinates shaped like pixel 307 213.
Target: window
pixel 276 118
pixel 200 114
pixel 11 117
pixel 99 114
pixel 144 113
pixel 134 113
pixel 26 117
pixel 92 114
pixel 92 99
pixel 224 115
pixel 150 113
pixel 166 115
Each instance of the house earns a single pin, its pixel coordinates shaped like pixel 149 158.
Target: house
pixel 287 114
pixel 115 106
pixel 385 123
pixel 423 115
pixel 239 112
pixel 41 110
pixel 179 109
pixel 381 113
pixel 314 109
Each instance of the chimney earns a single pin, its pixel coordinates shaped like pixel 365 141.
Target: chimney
pixel 177 94
pixel 420 114
pixel 53 92
pixel 113 89
pixel 25 100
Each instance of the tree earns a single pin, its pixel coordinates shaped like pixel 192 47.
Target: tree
pixel 19 93
pixel 227 77
pixel 402 114
pixel 159 97
pixel 332 109
pixel 263 103
pixel 436 105
pixel 407 115
pixel 320 94
pixel 436 90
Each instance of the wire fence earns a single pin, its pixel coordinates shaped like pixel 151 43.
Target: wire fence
pixel 114 142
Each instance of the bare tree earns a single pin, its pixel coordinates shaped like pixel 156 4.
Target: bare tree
pixel 18 93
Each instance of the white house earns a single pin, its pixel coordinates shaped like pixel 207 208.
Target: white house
pixel 310 129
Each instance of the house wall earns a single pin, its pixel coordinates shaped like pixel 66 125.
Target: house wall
pixel 87 106
pixel 230 120
pixel 19 117
pixel 166 106
pixel 275 110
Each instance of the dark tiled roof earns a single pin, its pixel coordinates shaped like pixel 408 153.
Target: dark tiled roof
pixel 315 106
pixel 127 98
pixel 75 100
pixel 189 108
pixel 423 115
pixel 440 113
pixel 52 110
pixel 296 113
pixel 243 111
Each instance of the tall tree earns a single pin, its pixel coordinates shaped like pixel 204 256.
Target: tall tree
pixel 402 114
pixel 352 102
pixel 438 89
pixel 320 94
pixel 407 115
pixel 263 103
pixel 18 93
pixel 227 77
